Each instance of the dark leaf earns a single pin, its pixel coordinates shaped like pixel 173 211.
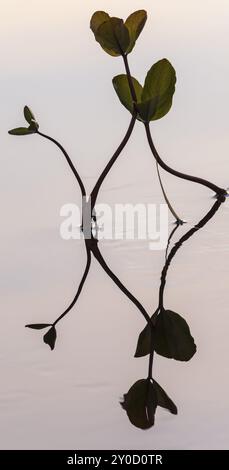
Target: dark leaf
pixel 140 404
pixel 135 24
pixel 34 126
pixel 97 19
pixel 50 337
pixel 113 36
pixel 158 91
pixel 144 340
pixel 163 399
pixel 38 326
pixel 28 115
pixel 172 337
pixel 21 131
pixel 121 86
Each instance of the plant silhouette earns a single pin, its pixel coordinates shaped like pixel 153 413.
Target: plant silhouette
pixel 166 332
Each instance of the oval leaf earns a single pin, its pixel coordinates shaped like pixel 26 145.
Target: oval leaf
pixel 50 337
pixel 135 24
pixel 21 131
pixel 163 399
pixel 113 36
pixel 140 404
pixel 158 91
pixel 172 337
pixel 97 19
pixel 121 86
pixel 38 326
pixel 28 115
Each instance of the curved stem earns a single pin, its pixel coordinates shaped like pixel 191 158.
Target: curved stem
pixel 97 254
pixel 111 162
pixel 76 174
pixel 79 288
pixel 194 179
pixel 170 238
pixel 179 221
pixel 183 239
pixel 129 78
pixel 134 98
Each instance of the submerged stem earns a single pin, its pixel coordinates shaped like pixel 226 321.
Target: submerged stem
pixel 179 221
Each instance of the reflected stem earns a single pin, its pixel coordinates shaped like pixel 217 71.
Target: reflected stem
pixel 183 239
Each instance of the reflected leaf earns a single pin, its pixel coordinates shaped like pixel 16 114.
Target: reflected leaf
pixel 140 404
pixel 163 399
pixel 121 86
pixel 50 337
pixel 144 340
pixel 38 326
pixel 172 338
pixel 135 24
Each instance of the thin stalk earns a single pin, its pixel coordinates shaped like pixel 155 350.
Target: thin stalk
pixel 170 238
pixel 111 162
pixel 183 239
pixel 194 179
pixel 97 254
pixel 179 221
pixel 134 98
pixel 79 288
pixel 76 174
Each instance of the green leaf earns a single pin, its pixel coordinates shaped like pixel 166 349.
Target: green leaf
pixel 172 337
pixel 121 86
pixel 113 36
pixel 50 337
pixel 21 131
pixel 158 91
pixel 140 404
pixel 135 24
pixel 163 399
pixel 97 19
pixel 29 117
pixel 38 326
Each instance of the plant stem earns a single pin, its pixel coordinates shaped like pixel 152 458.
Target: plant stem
pixel 79 288
pixel 183 239
pixel 194 179
pixel 179 221
pixel 111 162
pixel 134 98
pixel 76 174
pixel 115 279
pixel 129 78
pixel 170 238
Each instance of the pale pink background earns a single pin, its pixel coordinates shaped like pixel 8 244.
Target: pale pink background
pixel 69 398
